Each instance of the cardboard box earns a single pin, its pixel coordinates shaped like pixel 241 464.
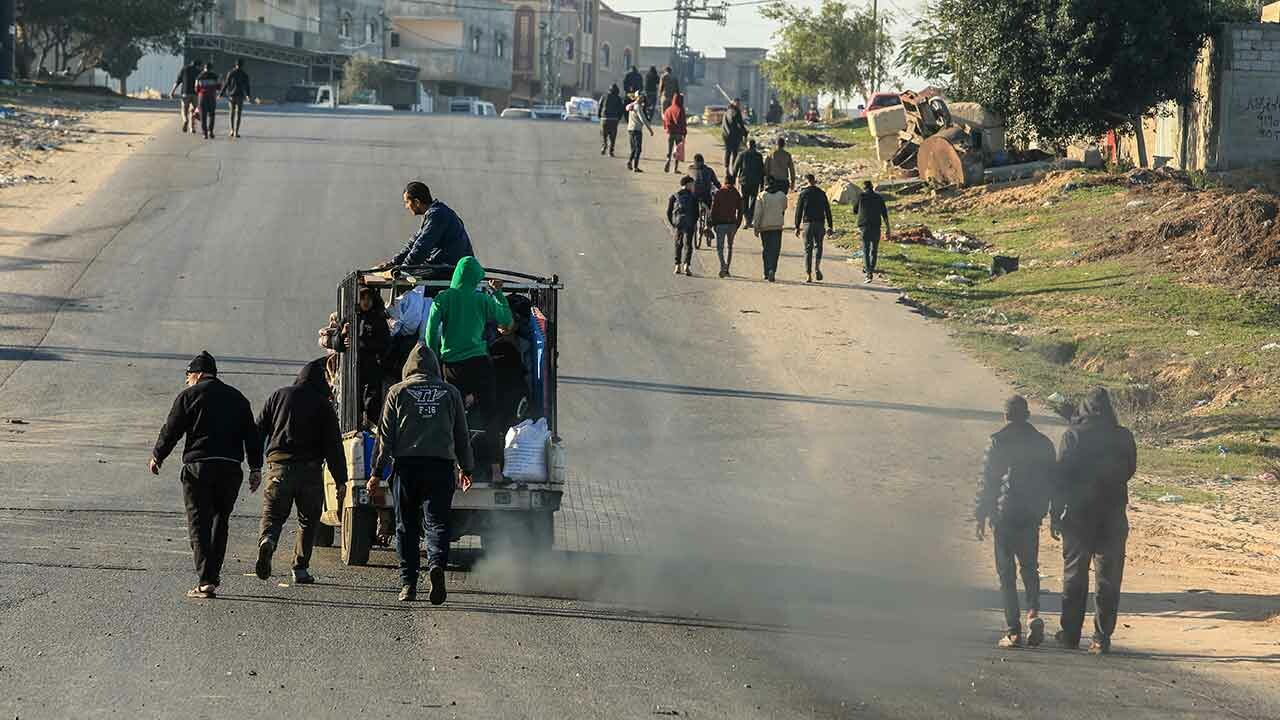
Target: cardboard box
pixel 886 148
pixel 887 122
pixel 974 114
pixel 1271 13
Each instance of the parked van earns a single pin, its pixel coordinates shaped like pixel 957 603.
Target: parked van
pixel 472 106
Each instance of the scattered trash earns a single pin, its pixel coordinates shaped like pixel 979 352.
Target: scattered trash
pixel 1271 346
pixel 1193 333
pixel 18 421
pixel 1169 499
pixel 1267 477
pixel 749 312
pixel 1136 203
pixel 958 280
pixel 666 711
pixel 1222 451
pixel 1056 399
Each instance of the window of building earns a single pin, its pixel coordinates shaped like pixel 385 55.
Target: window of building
pixel 568 48
pixel 627 59
pixel 588 18
pixel 344 26
pixel 370 32
pixel 475 42
pixel 500 46
pixel 604 55
pixel 395 39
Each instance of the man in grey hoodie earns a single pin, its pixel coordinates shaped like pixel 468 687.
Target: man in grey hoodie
pixel 424 428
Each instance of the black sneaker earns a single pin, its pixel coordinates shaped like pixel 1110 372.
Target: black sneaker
pixel 438 591
pixel 1036 635
pixel 1065 642
pixel 303 577
pixel 408 593
pixel 817 275
pixel 266 549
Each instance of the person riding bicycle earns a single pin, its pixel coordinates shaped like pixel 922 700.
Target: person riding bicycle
pixel 705 183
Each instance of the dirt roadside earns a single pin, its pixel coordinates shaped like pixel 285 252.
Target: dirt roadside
pixel 1202 585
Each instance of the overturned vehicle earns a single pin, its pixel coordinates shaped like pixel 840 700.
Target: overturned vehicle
pixel 519 477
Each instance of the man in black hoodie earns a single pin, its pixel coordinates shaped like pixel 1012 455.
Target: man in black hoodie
pixel 749 169
pixel 218 425
pixel 1013 496
pixel 633 82
pixel 301 431
pixel 610 113
pixel 424 429
pixel 1096 459
pixel 650 92
pixel 813 212
pixel 871 210
pixel 186 82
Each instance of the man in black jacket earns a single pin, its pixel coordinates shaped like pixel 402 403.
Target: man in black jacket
pixel 749 169
pixel 235 88
pixel 301 431
pixel 1096 459
pixel 813 211
pixel 733 130
pixel 682 216
pixel 442 238
pixel 610 114
pixel 871 210
pixel 218 425
pixel 186 82
pixel 1013 496
pixel 424 429
pixel 633 82
pixel 650 92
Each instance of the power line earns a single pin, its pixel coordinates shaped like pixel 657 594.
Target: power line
pixel 486 8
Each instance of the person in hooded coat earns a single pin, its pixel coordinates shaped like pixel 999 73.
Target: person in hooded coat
pixel 1096 459
pixel 611 111
pixel 650 92
pixel 733 130
pixel 301 430
pixel 455 330
pixel 632 82
pixel 424 430
pixel 675 122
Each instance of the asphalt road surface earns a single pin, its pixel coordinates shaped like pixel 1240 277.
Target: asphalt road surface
pixel 743 535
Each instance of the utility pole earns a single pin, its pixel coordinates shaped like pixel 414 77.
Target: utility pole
pixel 551 55
pixel 9 39
pixel 875 47
pixel 686 10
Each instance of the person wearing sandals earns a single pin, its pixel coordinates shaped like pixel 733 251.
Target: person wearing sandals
pixel 1013 497
pixel 220 434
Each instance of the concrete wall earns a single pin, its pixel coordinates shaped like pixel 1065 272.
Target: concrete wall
pixel 737 73
pixel 1249 96
pixel 467 44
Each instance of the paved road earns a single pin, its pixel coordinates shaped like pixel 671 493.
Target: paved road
pixel 759 523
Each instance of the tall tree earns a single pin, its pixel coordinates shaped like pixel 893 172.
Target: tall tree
pixel 1060 70
pixel 830 50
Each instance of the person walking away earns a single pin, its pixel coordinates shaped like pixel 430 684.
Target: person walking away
pixel 780 167
pixel 675 122
pixel 637 123
pixel 773 115
pixel 186 83
pixel 733 130
pixel 442 238
pixel 301 431
pixel 770 219
pixel 610 113
pixel 726 218
pixel 668 87
pixel 705 183
pixel 813 213
pixel 632 82
pixel 749 169
pixel 871 210
pixel 235 87
pixel 220 433
pixel 424 431
pixel 1096 459
pixel 207 88
pixel 682 216
pixel 650 92
pixel 455 331
pixel 1013 497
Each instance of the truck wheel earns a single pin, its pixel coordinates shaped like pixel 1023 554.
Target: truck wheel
pixel 358 526
pixel 324 535
pixel 542 531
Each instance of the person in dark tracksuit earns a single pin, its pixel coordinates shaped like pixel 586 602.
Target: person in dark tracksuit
pixel 733 130
pixel 1013 497
pixel 749 169
pixel 682 216
pixel 220 434
pixel 813 212
pixel 1096 459
pixel 374 335
pixel 186 82
pixel 610 113
pixel 207 88
pixel 301 431
pixel 871 210
pixel 235 88
pixel 650 92
pixel 424 429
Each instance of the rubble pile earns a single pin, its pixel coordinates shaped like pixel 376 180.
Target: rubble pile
pixel 768 138
pixel 1214 236
pixel 956 241
pixel 27 135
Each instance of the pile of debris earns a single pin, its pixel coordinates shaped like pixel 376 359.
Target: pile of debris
pixel 956 241
pixel 27 135
pixel 1214 236
pixel 769 138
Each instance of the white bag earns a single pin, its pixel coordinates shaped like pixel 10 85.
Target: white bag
pixel 526 451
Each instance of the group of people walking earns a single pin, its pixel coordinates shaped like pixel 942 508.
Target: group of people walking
pixel 1084 490
pixel 198 88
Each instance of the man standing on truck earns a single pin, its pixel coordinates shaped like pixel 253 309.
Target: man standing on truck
pixel 186 82
pixel 235 87
pixel 749 169
pixel 424 430
pixel 220 433
pixel 871 209
pixel 813 212
pixel 442 239
pixel 610 112
pixel 1013 496
pixel 455 331
pixel 301 431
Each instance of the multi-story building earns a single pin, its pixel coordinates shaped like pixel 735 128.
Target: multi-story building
pixel 462 47
pixel 574 47
pixel 737 74
pixel 617 47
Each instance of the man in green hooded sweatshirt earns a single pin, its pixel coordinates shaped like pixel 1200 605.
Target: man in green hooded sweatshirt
pixel 455 331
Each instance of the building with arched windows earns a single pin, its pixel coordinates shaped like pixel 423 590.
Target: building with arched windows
pixel 618 43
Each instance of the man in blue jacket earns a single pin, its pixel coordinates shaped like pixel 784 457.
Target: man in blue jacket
pixel 442 238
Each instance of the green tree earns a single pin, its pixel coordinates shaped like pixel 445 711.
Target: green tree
pixel 119 61
pixel 1060 70
pixel 363 74
pixel 832 50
